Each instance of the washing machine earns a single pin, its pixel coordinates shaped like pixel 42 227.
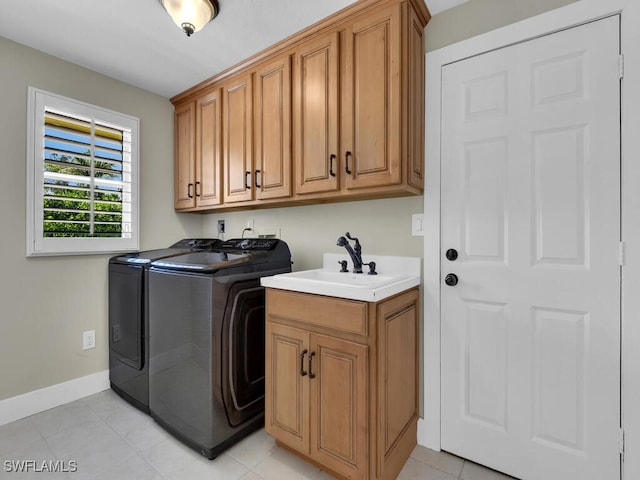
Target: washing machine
pixel 207 341
pixel 128 320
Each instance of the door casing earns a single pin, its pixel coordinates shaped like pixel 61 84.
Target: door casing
pixel 572 15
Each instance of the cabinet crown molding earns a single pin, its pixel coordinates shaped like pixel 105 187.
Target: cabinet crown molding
pixel 322 26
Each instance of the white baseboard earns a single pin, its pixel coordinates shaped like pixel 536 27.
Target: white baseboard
pixel 21 406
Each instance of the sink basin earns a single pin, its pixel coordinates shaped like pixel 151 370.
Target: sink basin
pixel 396 274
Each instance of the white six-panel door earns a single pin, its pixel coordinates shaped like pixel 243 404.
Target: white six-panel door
pixel 531 203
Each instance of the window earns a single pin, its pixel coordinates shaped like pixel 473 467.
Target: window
pixel 82 177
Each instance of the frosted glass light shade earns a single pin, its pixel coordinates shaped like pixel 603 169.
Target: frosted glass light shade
pixel 191 15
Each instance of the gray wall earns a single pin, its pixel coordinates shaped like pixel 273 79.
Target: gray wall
pixel 383 227
pixel 481 16
pixel 40 328
pixel 48 302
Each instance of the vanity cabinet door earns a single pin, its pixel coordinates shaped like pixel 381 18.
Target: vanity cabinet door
pixel 286 389
pixel 338 405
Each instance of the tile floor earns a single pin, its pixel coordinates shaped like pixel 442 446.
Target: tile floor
pixel 110 440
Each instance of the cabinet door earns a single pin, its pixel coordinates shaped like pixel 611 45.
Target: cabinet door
pixel 208 150
pixel 184 161
pixel 237 143
pixel 372 99
pixel 339 405
pixel 272 177
pixel 397 376
pixel 316 79
pixel 286 389
pixel 414 100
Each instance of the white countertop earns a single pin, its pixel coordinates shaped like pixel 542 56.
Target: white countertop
pixel 395 275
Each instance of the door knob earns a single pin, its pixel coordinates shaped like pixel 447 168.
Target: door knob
pixel 451 254
pixel 451 279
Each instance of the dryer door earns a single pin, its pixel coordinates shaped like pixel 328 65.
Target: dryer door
pixel 243 352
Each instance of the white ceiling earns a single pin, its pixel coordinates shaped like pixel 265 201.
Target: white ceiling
pixel 137 42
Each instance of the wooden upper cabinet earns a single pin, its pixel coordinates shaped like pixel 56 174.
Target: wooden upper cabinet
pixel 316 120
pixel 333 113
pixel 237 127
pixel 372 127
pixel 272 121
pixel 208 181
pixel 414 99
pixel 184 156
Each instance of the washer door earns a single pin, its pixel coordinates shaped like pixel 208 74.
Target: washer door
pixel 243 352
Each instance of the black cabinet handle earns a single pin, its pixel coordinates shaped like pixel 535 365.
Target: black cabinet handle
pixel 189 192
pixel 347 155
pixel 255 177
pixel 332 157
pixel 247 175
pixel 302 372
pixel 197 192
pixel 311 374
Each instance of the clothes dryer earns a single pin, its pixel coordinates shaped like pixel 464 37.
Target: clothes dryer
pixel 207 341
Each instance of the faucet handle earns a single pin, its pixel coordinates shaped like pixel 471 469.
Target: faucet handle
pixel 372 268
pixel 343 264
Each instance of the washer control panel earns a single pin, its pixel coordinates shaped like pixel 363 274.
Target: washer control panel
pixel 249 244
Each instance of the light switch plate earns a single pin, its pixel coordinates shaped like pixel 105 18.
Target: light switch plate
pixel 416 225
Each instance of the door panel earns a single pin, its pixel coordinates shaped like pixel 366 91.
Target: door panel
pixel 287 397
pixel 372 92
pixel 273 129
pixel 316 116
pixel 238 132
pixel 531 200
pixel 184 170
pixel 208 150
pixel 338 411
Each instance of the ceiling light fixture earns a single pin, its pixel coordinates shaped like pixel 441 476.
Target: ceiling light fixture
pixel 191 15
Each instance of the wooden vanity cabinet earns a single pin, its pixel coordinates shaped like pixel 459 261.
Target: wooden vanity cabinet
pixel 341 381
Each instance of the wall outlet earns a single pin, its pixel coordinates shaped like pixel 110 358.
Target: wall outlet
pixel 89 340
pixel 250 224
pixel 221 226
